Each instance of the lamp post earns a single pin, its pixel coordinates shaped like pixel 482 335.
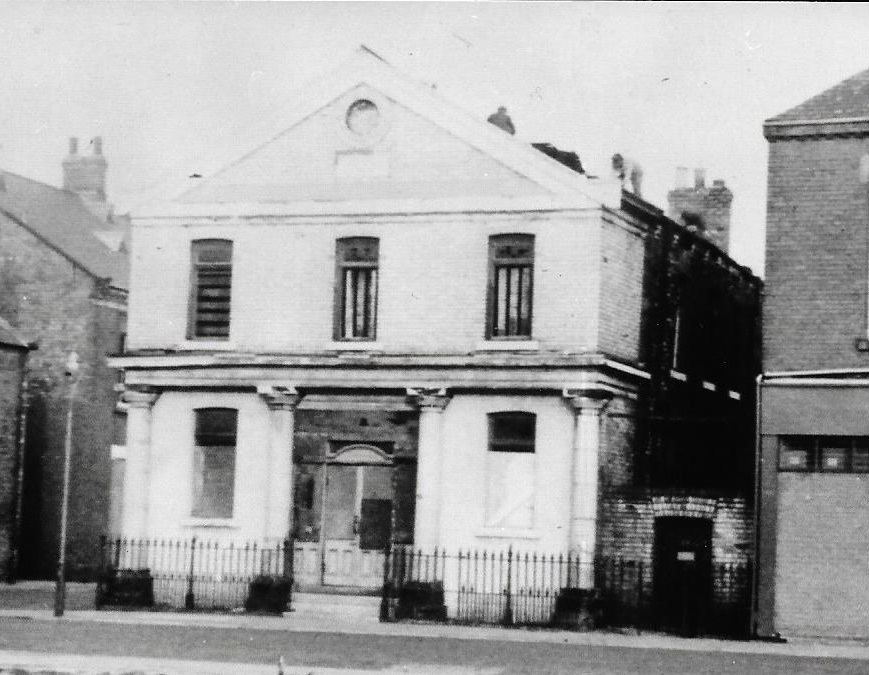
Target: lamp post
pixel 71 373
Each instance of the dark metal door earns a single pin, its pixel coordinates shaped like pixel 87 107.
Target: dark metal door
pixel 683 574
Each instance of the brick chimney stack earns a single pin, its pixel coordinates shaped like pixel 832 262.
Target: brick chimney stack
pixel 86 175
pixel 701 208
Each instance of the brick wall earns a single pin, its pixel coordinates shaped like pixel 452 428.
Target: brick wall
pixel 52 302
pixel 621 289
pixel 816 269
pixel 11 374
pixel 822 544
pixel 626 529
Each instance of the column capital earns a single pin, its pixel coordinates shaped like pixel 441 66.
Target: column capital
pixel 139 397
pixel 588 400
pixel 432 399
pixel 279 397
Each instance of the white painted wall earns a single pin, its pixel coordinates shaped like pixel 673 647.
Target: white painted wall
pixel 171 482
pixel 432 294
pixel 465 443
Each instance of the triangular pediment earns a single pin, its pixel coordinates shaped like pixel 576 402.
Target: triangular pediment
pixel 366 134
pixel 363 145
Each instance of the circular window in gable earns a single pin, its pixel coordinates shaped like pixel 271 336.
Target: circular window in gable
pixel 363 117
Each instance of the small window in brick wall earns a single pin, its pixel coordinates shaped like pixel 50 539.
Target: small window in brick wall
pixel 824 454
pixel 214 462
pixel 210 289
pixel 510 470
pixel 510 287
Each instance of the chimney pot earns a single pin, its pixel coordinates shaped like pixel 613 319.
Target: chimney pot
pixel 502 120
pixel 681 177
pixel 718 183
pixel 98 145
pixel 699 179
pixel 73 145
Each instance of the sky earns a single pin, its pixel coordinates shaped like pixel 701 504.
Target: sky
pixel 668 85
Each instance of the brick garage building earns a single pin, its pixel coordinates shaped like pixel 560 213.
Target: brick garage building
pixel 63 275
pixel 814 435
pixel 337 335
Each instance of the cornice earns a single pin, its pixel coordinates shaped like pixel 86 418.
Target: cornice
pixel 834 128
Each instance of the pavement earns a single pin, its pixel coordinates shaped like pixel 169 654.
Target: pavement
pixel 336 615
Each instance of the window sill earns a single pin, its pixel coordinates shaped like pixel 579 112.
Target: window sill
pixel 506 533
pixel 211 345
pixel 224 523
pixel 508 346
pixel 351 346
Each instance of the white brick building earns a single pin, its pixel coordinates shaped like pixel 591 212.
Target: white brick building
pixel 382 320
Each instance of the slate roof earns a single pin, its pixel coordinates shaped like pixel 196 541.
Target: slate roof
pixel 62 220
pixel 847 100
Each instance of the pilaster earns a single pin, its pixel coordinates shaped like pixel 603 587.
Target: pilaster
pixel 137 471
pixel 278 515
pixel 588 406
pixel 429 480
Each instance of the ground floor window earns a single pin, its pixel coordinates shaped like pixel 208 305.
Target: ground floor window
pixel 214 462
pixel 510 470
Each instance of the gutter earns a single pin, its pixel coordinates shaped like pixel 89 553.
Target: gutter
pixel 815 373
pixel 758 467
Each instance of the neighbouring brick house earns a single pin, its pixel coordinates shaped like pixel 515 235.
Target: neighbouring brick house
pixel 387 322
pixel 814 430
pixel 63 275
pixel 13 359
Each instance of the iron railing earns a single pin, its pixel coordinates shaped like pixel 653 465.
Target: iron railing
pixel 196 573
pixel 533 589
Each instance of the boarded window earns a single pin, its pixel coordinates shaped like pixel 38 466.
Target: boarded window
pixel 356 268
pixel 511 278
pixel 214 462
pixel 211 289
pixel 510 470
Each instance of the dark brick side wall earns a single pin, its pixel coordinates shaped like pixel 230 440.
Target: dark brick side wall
pixel 11 375
pixel 626 529
pixel 616 460
pixel 816 253
pixel 57 305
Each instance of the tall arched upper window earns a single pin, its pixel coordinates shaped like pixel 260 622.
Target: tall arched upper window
pixel 356 267
pixel 210 289
pixel 511 280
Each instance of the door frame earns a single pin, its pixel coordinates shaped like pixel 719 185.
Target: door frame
pixel 352 454
pixel 667 530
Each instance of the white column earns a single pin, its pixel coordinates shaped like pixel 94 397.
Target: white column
pixel 429 481
pixel 279 480
pixel 137 468
pixel 588 407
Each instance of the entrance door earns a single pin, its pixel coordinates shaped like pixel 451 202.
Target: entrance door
pixel 683 574
pixel 357 524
